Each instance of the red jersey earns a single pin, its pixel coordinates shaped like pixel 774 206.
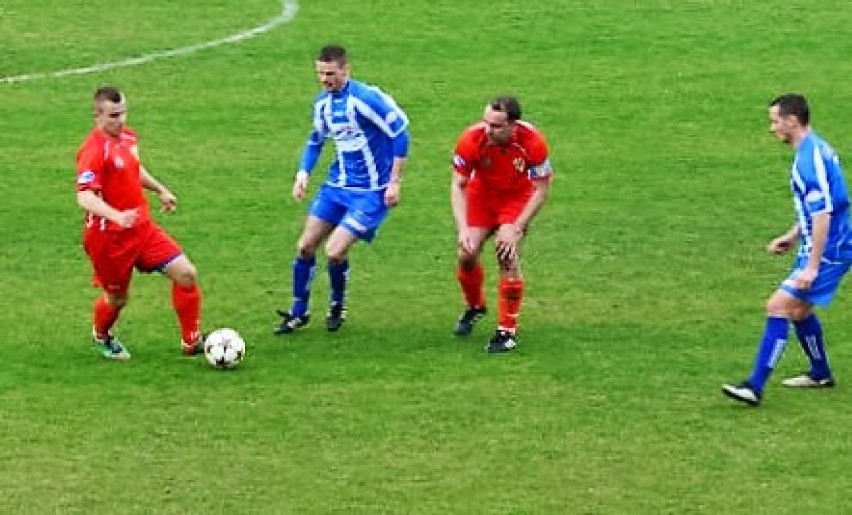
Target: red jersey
pixel 502 169
pixel 110 167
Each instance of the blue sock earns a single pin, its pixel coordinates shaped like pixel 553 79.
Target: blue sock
pixel 338 274
pixel 809 332
pixel 769 352
pixel 303 274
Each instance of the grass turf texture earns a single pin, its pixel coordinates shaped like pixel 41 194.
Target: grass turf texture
pixel 645 271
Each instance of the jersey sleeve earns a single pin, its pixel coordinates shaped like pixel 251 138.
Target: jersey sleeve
pixel 464 155
pixel 320 132
pixel 382 110
pixel 539 160
pixel 814 175
pixel 90 168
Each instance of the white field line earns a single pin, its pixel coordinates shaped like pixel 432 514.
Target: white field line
pixel 288 12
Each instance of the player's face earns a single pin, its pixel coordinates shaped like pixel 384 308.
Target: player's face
pixel 780 125
pixel 332 75
pixel 498 128
pixel 110 117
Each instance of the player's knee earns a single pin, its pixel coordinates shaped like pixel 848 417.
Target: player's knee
pixel 508 266
pixel 781 306
pixel 116 300
pixel 799 313
pixel 335 254
pixel 306 248
pixel 467 261
pixel 187 276
pixel 775 307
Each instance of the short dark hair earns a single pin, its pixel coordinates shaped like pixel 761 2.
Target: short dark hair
pixel 332 54
pixel 793 104
pixel 109 93
pixel 507 104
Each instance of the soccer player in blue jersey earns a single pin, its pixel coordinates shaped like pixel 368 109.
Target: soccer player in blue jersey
pixel 370 133
pixel 824 253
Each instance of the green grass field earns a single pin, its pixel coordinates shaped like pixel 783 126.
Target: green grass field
pixel 645 272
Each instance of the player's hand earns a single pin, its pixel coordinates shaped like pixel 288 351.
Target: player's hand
pixel 392 194
pixel 780 245
pixel 805 278
pixel 168 202
pixel 300 187
pixel 127 218
pixel 507 238
pixel 465 241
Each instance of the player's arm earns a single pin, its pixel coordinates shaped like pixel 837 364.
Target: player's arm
pixel 819 203
pixel 400 156
pixel 541 190
pixel 540 174
pixel 458 201
pixel 308 160
pixel 168 201
pixel 786 241
pixel 819 236
pixel 94 204
pixel 90 165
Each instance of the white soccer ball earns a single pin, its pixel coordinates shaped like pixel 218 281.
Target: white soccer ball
pixel 224 348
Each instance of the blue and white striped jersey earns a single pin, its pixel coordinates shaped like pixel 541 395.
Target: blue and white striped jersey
pixel 818 185
pixel 363 121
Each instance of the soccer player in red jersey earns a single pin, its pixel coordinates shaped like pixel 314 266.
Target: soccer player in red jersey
pixel 120 234
pixel 501 180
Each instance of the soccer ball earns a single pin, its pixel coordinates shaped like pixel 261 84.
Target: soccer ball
pixel 224 348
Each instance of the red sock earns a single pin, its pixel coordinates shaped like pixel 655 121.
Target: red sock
pixel 471 284
pixel 104 316
pixel 511 295
pixel 187 303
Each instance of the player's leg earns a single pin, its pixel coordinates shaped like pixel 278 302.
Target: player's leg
pixel 780 309
pixel 510 291
pixel 337 251
pixel 162 253
pixel 112 264
pixel 810 335
pixel 314 233
pixel 366 210
pixel 186 301
pixel 481 218
pixel 325 213
pixel 809 330
pixel 471 278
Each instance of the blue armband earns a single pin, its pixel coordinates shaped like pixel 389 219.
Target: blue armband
pixel 400 144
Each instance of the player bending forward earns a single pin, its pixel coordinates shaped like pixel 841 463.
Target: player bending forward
pixel 501 180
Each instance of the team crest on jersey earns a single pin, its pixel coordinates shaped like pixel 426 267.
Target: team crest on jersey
pixel 519 164
pixel 119 162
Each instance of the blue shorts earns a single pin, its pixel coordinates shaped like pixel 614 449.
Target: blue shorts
pixel 361 212
pixel 822 291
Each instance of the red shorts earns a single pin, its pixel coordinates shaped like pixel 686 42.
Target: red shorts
pixel 114 254
pixel 490 211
